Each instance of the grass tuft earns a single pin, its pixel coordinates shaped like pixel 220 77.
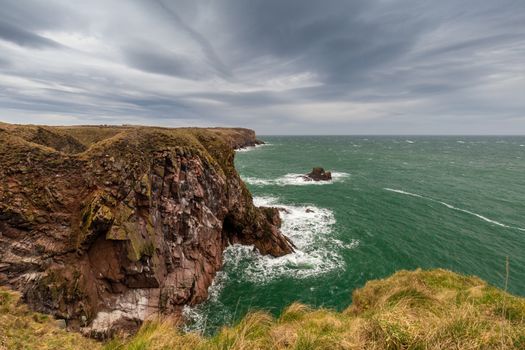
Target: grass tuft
pixel 414 310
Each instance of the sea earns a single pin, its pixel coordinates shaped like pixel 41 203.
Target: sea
pixel 395 202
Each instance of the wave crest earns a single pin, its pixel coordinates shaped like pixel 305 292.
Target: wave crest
pixel 450 206
pixel 294 179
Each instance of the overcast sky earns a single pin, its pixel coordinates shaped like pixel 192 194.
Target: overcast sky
pixel 276 66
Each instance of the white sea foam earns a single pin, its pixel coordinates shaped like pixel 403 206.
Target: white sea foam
pixel 460 141
pixel 293 179
pixel 196 317
pixel 256 181
pixel 265 201
pixel 409 141
pixel 251 148
pixel 403 192
pixel 317 252
pixel 450 206
pixel 309 228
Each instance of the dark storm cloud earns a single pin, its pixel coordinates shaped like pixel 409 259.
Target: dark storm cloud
pixel 23 37
pixel 156 60
pixel 295 66
pixel 335 38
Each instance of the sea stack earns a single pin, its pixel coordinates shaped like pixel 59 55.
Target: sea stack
pixel 318 174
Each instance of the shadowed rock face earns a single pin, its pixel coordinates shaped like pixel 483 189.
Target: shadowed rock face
pixel 106 226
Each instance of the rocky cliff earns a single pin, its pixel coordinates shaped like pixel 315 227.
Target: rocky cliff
pixel 106 226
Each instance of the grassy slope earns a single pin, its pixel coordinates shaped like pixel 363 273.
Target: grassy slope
pixel 411 310
pixel 434 309
pixel 24 329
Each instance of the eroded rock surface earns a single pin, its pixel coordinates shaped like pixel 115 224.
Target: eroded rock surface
pixel 106 226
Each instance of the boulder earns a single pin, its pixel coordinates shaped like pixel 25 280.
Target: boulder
pixel 318 174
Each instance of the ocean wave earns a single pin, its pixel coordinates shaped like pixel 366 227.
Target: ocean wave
pixel 196 317
pixel 256 181
pixel 450 206
pixel 293 179
pixel 403 192
pixel 309 228
pixel 251 148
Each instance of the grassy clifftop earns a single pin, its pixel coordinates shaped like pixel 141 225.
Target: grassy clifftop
pixel 419 309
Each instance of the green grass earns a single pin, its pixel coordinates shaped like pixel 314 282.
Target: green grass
pixel 435 309
pixel 21 328
pixel 419 309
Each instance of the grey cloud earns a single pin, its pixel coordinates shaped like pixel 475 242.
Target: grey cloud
pixel 337 39
pixel 23 37
pixel 378 66
pixel 158 61
pixel 207 48
pixel 4 62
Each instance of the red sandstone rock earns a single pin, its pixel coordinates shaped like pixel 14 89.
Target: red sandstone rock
pixel 133 226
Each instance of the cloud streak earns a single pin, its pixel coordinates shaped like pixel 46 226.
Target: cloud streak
pixel 280 67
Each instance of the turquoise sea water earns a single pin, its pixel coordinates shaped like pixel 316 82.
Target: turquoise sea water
pixel 395 203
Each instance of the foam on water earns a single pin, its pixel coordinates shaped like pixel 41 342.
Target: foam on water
pixel 293 179
pixel 256 181
pixel 450 206
pixel 309 228
pixel 251 148
pixel 403 192
pixel 196 317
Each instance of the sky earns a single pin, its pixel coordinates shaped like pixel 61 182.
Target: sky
pixel 276 66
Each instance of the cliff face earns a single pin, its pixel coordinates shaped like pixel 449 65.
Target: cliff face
pixel 105 226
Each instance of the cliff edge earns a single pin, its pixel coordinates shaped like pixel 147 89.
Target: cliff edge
pixel 105 226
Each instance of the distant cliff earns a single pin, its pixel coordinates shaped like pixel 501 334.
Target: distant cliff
pixel 106 226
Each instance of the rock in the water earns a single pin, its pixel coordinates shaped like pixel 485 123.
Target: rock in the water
pixel 284 210
pixel 318 174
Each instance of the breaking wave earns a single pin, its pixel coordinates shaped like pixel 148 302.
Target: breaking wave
pixel 251 148
pixel 309 228
pixel 293 179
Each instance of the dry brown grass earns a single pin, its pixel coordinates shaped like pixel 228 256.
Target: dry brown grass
pixel 435 309
pixel 23 329
pixel 419 309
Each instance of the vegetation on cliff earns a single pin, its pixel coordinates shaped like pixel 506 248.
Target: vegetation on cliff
pixel 105 226
pixel 21 328
pixel 419 309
